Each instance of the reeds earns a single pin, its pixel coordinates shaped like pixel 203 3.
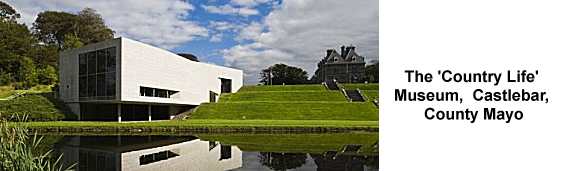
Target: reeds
pixel 17 149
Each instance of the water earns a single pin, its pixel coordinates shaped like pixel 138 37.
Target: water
pixel 218 152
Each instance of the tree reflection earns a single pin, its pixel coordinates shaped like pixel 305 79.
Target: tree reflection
pixel 282 161
pixel 345 162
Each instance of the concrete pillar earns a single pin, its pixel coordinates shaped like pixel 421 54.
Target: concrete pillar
pixel 149 113
pixel 119 112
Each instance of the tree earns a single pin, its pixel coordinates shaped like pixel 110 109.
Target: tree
pixel 16 48
pixel 91 27
pixel 47 75
pixel 45 54
pixel 27 74
pixel 52 27
pixel 7 13
pixel 72 41
pixel 283 74
pixel 372 72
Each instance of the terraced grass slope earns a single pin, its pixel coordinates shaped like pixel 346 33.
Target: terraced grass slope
pixel 291 102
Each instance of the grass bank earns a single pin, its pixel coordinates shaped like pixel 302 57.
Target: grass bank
pixel 38 103
pixel 6 91
pixel 290 102
pixel 296 110
pixel 206 125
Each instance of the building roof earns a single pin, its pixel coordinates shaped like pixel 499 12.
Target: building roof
pixel 348 55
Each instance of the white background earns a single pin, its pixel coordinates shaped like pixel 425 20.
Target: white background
pixel 470 36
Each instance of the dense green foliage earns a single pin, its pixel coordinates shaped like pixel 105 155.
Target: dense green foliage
pixel 30 57
pixel 21 151
pixel 39 107
pixel 19 51
pixel 280 74
pixel 53 27
pixel 7 12
pixel 297 102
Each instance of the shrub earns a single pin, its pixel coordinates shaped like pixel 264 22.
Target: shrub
pixel 47 75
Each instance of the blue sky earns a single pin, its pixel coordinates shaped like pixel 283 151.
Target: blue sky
pixel 209 51
pixel 245 34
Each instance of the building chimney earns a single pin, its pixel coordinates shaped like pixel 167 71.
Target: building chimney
pixel 342 50
pixel 328 52
pixel 349 49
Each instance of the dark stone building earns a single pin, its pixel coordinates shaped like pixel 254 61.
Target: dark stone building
pixel 347 67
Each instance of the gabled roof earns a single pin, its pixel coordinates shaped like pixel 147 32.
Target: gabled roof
pixel 334 56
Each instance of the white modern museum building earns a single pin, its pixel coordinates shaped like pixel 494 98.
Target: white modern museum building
pixel 126 80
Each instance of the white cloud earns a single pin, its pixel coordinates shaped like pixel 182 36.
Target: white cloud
pixel 239 55
pixel 249 3
pixel 161 23
pixel 216 37
pixel 230 10
pixel 224 26
pixel 299 32
pixel 252 31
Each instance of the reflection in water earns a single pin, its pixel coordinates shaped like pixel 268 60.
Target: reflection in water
pixel 282 161
pixel 147 153
pixel 170 153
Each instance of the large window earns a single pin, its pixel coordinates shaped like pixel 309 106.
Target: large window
pixel 97 74
pixel 156 92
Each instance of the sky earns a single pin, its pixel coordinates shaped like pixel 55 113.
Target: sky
pixel 245 34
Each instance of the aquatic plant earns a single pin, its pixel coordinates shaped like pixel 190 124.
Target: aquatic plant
pixel 17 149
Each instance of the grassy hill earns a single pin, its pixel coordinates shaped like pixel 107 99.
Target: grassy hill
pixel 38 103
pixel 290 102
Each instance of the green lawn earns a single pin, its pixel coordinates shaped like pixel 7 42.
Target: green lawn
pixel 288 111
pixel 361 86
pixel 371 94
pixel 288 96
pixel 316 87
pixel 208 123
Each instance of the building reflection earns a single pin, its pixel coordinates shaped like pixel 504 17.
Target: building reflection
pixel 147 153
